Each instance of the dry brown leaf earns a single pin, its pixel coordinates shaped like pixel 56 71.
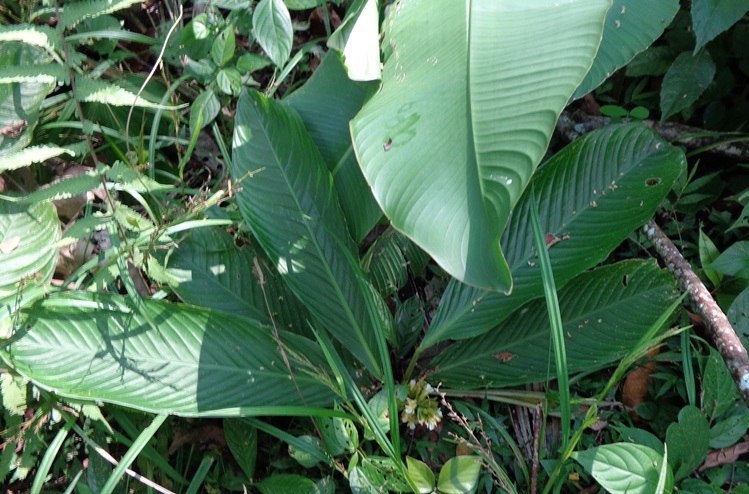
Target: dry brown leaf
pixel 8 246
pixel 635 389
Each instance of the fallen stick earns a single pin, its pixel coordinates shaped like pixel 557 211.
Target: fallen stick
pixel 719 329
pixel 735 147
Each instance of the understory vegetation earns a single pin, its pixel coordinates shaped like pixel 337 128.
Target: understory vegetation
pixel 309 246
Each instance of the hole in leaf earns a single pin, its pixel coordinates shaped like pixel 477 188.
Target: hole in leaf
pixel 651 182
pixel 625 280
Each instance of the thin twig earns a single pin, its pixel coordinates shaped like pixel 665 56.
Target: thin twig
pixel 719 329
pixel 736 147
pixel 150 75
pixel 537 418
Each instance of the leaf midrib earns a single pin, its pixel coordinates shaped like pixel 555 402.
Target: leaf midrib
pixel 347 309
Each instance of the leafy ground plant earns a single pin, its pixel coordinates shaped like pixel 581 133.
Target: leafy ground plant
pixel 313 246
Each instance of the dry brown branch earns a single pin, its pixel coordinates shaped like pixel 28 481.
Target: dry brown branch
pixel 719 329
pixel 725 456
pixel 572 126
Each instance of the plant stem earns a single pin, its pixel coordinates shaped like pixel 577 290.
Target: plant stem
pixel 719 329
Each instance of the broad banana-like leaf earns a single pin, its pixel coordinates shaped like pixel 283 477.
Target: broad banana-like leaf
pixel 631 26
pixel 28 234
pixel 287 197
pixel 211 271
pixel 591 196
pixel 604 312
pixel 326 114
pixel 470 96
pixel 162 357
pixel 358 40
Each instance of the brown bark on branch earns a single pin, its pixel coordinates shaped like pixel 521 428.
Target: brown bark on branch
pixel 719 329
pixel 572 126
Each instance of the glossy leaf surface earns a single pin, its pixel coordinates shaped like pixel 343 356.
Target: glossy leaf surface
pixel 160 357
pixel 582 191
pixel 211 271
pixel 27 244
pixel 468 103
pixel 271 24
pixel 358 40
pixel 599 324
pixel 631 27
pixel 288 199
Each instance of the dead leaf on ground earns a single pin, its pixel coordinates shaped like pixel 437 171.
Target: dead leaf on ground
pixel 635 389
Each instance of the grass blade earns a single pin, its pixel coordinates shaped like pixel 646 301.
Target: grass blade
pixel 49 458
pixel 555 319
pixel 132 454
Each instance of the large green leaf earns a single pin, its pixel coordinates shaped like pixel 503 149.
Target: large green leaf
pixel 599 323
pixel 160 357
pixel 212 271
pixel 631 26
pixel 471 93
pixel 28 234
pixel 291 206
pixel 591 195
pixel 327 102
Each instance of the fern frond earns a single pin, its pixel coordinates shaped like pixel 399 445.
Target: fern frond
pixel 117 175
pixel 38 154
pixel 97 91
pixel 42 36
pixel 84 227
pixel 131 220
pixel 66 188
pixel 43 72
pixel 74 12
pixel 121 173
